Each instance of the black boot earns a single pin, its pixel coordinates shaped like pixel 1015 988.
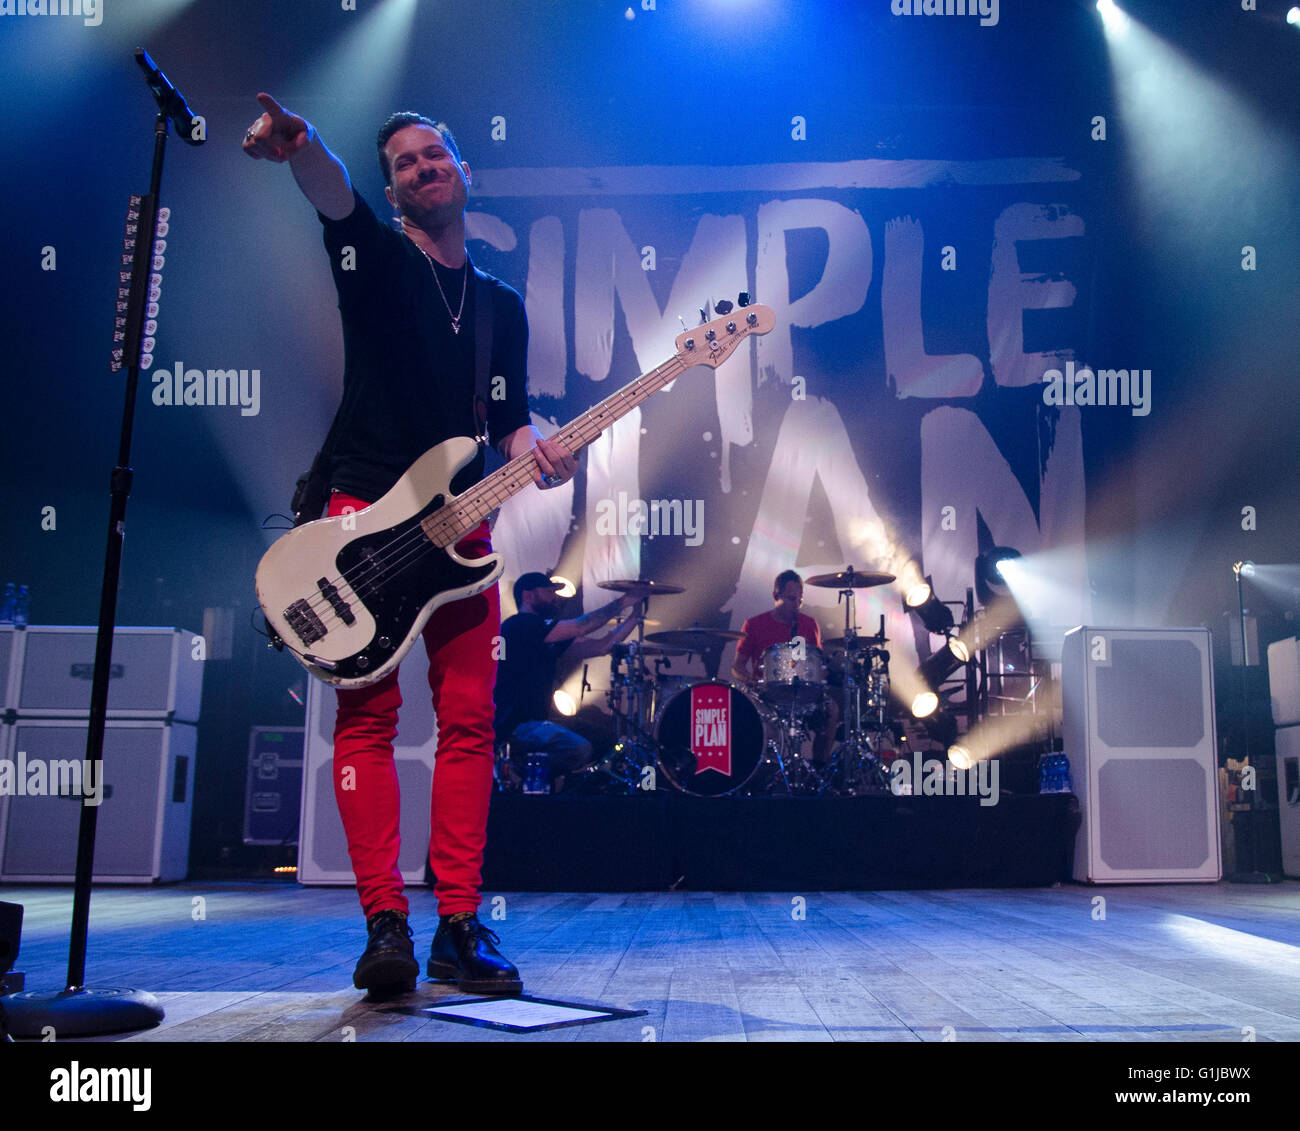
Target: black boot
pixel 388 965
pixel 462 949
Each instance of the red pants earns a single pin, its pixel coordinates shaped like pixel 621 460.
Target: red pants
pixel 459 638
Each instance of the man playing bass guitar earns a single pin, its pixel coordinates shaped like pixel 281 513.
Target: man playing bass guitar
pixel 408 300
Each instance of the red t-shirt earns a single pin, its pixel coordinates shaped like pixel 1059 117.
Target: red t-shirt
pixel 764 630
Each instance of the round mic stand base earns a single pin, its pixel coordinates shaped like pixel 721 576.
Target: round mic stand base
pixel 79 1013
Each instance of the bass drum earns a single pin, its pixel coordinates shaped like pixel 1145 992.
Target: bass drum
pixel 710 739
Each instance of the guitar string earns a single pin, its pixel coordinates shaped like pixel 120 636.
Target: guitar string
pixel 412 543
pixel 417 538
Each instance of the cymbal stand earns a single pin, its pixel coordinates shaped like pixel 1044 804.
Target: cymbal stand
pixel 628 698
pixel 855 766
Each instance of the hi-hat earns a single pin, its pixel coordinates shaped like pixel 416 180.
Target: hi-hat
pixel 849 579
pixel 623 649
pixel 650 588
pixel 837 645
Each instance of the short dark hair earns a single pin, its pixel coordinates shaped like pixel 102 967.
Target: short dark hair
pixel 784 578
pixel 400 121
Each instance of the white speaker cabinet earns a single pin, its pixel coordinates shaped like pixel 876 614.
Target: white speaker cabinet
pixel 1284 681
pixel 153 674
pixel 322 847
pixel 1140 735
pixel 11 665
pixel 143 828
pixel 1288 797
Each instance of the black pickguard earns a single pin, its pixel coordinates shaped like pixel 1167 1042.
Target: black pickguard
pixel 395 593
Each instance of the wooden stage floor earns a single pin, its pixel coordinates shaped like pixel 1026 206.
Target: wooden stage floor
pixel 271 962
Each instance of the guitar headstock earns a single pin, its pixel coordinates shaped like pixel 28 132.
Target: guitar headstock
pixel 713 342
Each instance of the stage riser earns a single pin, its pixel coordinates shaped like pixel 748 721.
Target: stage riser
pixel 672 841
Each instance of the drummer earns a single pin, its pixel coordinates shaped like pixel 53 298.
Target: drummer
pixel 779 625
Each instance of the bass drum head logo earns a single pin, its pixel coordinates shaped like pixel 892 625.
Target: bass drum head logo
pixel 710 739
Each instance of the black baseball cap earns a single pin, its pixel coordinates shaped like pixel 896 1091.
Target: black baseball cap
pixel 533 580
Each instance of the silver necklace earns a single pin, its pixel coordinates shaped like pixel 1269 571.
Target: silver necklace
pixel 464 286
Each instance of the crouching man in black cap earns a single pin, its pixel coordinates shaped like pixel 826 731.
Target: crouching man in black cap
pixel 533 641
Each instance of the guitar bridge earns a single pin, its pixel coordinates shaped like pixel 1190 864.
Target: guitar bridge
pixel 304 622
pixel 340 606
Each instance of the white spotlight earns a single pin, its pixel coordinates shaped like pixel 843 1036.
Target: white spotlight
pixel 1293 17
pixel 567 588
pixel 564 703
pixel 924 705
pixel 1112 17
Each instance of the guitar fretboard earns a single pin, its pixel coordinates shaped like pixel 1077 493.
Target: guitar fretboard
pixel 452 522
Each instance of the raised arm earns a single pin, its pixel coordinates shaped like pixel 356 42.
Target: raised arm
pixel 280 136
pixel 580 626
pixel 600 645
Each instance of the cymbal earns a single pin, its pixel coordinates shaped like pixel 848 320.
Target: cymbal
pixel 849 579
pixel 650 588
pixel 694 639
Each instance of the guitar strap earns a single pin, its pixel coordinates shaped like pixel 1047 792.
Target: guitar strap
pixel 309 497
pixel 482 351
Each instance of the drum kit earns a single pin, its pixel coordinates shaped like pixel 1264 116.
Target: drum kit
pixel 712 737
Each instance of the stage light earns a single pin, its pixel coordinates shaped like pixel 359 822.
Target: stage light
pixel 1112 18
pixel 934 614
pixel 564 703
pixel 1293 17
pixel 567 588
pixel 990 583
pixel 1244 569
pixel 924 704
pixel 961 757
pixel 941 664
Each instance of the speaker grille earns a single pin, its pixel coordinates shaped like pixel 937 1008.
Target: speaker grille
pixel 1152 694
pixel 1152 813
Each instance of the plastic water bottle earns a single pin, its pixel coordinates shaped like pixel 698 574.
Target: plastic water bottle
pixel 537 773
pixel 7 608
pixel 1054 774
pixel 21 605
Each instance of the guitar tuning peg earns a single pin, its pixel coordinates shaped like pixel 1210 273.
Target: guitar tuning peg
pixel 722 308
pixel 743 299
pixel 704 317
pixel 683 322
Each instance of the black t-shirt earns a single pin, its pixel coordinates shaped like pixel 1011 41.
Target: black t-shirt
pixel 526 673
pixel 409 378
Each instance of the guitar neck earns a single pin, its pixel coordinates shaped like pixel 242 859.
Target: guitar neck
pixel 448 525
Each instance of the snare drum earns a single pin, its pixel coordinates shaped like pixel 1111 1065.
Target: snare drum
pixel 793 673
pixel 710 737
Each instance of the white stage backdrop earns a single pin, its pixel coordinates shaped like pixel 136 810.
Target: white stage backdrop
pixel 894 419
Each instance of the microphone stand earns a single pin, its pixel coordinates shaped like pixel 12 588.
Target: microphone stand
pixel 79 1010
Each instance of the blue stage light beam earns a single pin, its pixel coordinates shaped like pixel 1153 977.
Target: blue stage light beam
pixel 1112 17
pixel 1192 142
pixel 352 85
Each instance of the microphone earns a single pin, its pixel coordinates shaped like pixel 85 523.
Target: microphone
pixel 171 102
